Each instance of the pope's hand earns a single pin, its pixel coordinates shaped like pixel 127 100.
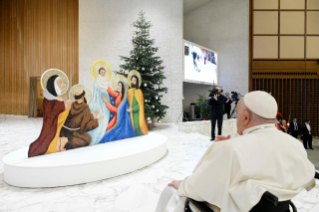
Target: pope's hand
pixel 222 137
pixel 100 118
pixel 95 113
pixel 215 97
pixel 130 109
pixel 104 99
pixel 175 184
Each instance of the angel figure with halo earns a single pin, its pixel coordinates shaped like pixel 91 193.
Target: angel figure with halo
pixel 102 73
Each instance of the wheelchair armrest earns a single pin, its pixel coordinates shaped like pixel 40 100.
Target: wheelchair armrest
pixel 271 198
pixel 201 206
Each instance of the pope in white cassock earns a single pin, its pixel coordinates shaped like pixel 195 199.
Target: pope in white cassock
pixel 233 174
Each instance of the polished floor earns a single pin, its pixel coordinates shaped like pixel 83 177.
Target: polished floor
pixel 136 192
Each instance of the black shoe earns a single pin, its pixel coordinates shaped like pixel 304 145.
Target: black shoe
pixel 312 148
pixel 212 139
pixel 306 148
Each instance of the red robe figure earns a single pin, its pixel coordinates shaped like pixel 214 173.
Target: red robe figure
pixel 118 96
pixel 53 106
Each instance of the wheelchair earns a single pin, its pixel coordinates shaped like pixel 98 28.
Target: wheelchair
pixel 267 203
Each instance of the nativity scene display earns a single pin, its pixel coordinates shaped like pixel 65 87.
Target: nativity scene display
pixel 114 111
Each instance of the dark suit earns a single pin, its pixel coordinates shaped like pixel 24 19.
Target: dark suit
pixel 228 107
pixel 294 130
pixel 306 136
pixel 216 113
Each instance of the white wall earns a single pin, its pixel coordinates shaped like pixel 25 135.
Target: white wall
pixel 105 33
pixel 224 27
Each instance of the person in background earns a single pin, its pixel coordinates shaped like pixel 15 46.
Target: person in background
pixel 294 128
pixel 228 105
pixel 279 122
pixel 285 125
pixel 306 134
pixel 216 111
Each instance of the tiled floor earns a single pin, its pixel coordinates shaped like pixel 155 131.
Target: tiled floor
pixel 137 191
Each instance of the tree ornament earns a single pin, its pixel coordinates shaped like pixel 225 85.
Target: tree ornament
pixel 145 84
pixel 128 63
pixel 151 69
pixel 137 68
pixel 156 110
pixel 137 58
pixel 160 70
pixel 156 97
pixel 143 68
pixel 145 100
pixel 148 118
pixel 153 106
pixel 140 52
pixel 160 87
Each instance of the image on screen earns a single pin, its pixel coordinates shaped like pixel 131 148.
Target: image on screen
pixel 200 65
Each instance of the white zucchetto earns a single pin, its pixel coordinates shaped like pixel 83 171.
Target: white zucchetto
pixel 261 103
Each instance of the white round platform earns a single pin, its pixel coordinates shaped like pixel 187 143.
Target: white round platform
pixel 84 164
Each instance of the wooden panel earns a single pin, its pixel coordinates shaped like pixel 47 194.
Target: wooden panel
pixel 265 22
pixel 2 48
pixel 265 4
pixel 292 47
pixel 312 22
pixel 292 22
pixel 313 47
pixel 292 4
pixel 278 65
pixel 35 35
pixel 265 47
pixel 313 4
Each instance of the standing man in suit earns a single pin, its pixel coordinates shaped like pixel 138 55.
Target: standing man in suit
pixel 216 111
pixel 228 105
pixel 306 134
pixel 294 128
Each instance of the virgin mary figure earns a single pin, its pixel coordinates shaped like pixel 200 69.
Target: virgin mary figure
pixel 102 72
pixel 120 126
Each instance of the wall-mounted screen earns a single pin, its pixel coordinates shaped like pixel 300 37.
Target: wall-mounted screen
pixel 200 64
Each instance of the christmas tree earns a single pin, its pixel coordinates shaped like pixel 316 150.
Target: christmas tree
pixel 142 59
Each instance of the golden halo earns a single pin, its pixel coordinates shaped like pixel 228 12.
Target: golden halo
pixel 117 79
pixel 101 64
pixel 75 88
pixel 134 73
pixel 50 72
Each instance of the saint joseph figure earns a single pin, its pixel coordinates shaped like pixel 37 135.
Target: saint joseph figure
pixel 136 102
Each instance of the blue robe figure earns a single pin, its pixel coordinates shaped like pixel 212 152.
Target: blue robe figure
pixel 97 103
pixel 123 127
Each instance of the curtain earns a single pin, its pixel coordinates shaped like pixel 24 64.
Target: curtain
pixel 33 97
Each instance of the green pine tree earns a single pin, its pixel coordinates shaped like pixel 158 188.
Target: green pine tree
pixel 142 59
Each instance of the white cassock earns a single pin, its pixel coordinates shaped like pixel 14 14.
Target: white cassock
pixel 233 174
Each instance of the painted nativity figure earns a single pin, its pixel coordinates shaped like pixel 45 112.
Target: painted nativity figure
pixel 136 102
pixel 74 132
pixel 55 112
